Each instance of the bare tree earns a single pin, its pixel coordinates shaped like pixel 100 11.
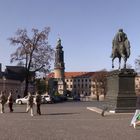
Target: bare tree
pixel 137 64
pixel 99 79
pixel 33 52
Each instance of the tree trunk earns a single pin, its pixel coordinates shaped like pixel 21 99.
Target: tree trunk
pixel 26 84
pixel 26 88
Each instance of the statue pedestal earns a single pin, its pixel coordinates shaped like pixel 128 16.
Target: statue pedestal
pixel 121 95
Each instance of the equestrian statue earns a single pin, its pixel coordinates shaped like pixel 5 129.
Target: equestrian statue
pixel 120 48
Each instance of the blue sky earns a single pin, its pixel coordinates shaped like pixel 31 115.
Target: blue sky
pixel 86 28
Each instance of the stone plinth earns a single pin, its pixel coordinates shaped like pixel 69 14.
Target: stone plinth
pixel 121 90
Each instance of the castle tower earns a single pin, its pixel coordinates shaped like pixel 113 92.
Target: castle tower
pixel 59 68
pixel 59 61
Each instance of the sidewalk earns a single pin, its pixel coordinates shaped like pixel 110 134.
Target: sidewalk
pixel 108 112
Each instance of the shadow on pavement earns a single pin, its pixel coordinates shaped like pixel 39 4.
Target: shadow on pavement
pixel 61 114
pixel 19 112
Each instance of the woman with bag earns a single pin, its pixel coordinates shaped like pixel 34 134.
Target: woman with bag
pixel 30 102
pixel 137 112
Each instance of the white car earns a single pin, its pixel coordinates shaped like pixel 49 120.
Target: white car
pixel 45 99
pixel 23 100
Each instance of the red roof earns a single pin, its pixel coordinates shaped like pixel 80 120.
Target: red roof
pixel 50 75
pixel 78 74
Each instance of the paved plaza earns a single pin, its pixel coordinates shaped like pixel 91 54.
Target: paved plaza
pixel 65 121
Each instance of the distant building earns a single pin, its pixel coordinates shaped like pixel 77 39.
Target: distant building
pixel 13 78
pixel 84 83
pixel 74 83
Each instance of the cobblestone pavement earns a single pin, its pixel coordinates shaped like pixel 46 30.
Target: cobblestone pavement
pixel 65 121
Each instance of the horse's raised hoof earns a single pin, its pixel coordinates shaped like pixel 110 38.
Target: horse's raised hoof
pixel 112 66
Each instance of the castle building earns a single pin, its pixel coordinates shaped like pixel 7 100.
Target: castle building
pixel 57 83
pixel 84 84
pixel 59 66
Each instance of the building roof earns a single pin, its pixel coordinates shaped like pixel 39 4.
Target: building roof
pixel 15 72
pixel 15 69
pixel 79 74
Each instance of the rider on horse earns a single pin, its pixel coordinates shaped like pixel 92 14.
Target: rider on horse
pixel 120 48
pixel 120 37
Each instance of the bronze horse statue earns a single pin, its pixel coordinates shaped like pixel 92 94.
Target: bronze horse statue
pixel 120 50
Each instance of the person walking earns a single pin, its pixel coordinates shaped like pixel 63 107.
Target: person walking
pixel 2 101
pixel 30 102
pixel 10 101
pixel 38 103
pixel 137 112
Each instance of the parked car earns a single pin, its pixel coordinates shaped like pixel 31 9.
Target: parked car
pixel 22 100
pixel 46 99
pixel 58 99
pixel 76 98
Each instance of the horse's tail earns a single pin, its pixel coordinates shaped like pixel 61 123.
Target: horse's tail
pixel 128 52
pixel 113 49
pixel 127 46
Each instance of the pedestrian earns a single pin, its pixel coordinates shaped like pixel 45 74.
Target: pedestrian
pixel 30 102
pixel 137 112
pixel 2 101
pixel 10 101
pixel 38 103
pixel 103 111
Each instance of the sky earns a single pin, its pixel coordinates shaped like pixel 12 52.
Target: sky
pixel 86 28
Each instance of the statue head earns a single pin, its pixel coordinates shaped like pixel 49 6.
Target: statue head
pixel 58 41
pixel 120 30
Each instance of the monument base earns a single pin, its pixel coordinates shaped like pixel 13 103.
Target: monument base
pixel 121 95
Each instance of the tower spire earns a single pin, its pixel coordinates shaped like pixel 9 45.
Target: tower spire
pixel 59 68
pixel 59 60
